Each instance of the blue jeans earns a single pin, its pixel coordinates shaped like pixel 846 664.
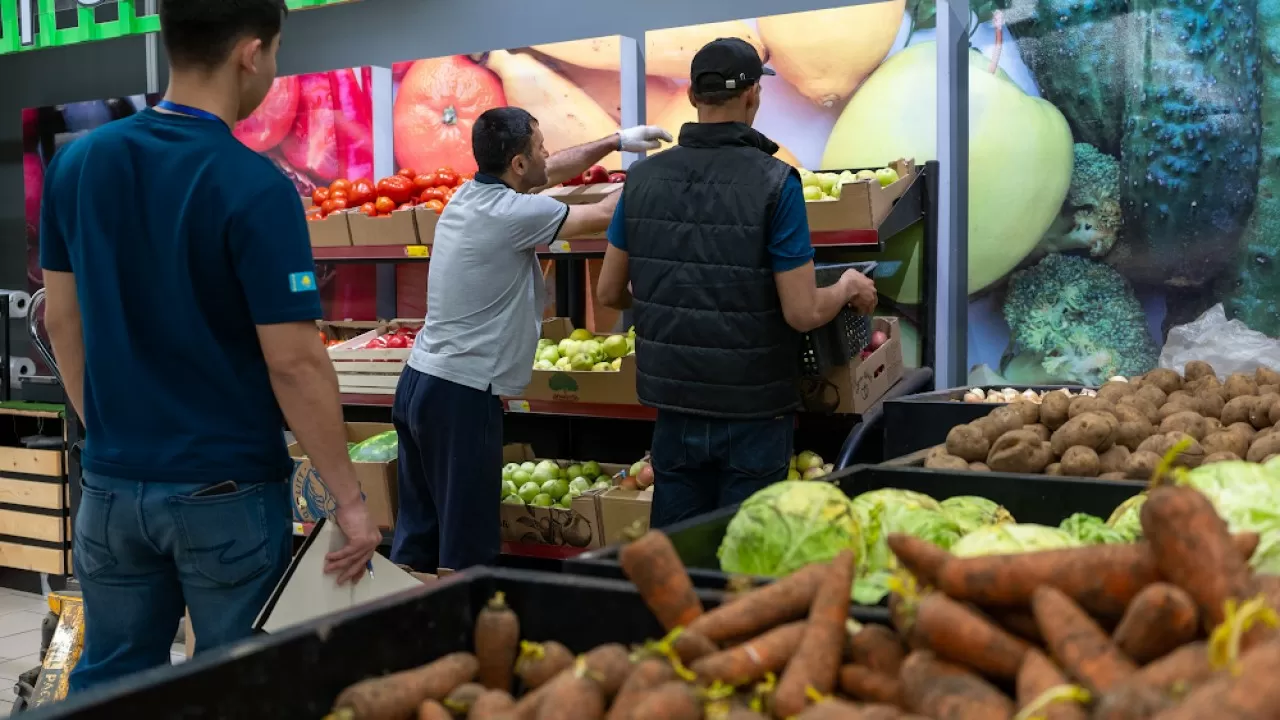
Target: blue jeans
pixel 144 551
pixel 703 464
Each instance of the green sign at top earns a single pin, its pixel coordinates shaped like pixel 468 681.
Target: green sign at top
pixel 33 24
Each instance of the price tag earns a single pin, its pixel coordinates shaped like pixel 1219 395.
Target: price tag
pixel 417 251
pixel 518 406
pixel 299 530
pixel 560 246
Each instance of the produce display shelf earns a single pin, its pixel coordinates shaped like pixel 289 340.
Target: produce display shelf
pixel 533 407
pixel 539 551
pixel 396 633
pixel 1037 499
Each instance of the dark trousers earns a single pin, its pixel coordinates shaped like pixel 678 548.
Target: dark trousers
pixel 450 474
pixel 703 464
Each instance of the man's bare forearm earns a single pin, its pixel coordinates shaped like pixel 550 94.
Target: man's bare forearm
pixel 308 396
pixel 68 350
pixel 574 161
pixel 827 305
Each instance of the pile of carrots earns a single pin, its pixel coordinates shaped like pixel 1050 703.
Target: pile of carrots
pixel 1175 626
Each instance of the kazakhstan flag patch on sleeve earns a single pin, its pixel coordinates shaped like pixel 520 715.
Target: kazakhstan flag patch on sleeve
pixel 302 282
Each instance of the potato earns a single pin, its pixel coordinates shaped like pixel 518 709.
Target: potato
pixel 979 467
pixel 1238 410
pixel 1093 430
pixel 1027 411
pixel 1210 403
pixel 1007 418
pixel 1197 369
pixel 1245 429
pixel 1268 389
pixel 1142 405
pixel 1152 394
pixel 1080 461
pixel 1162 443
pixel 1222 456
pixel 1084 404
pixel 1141 465
pixel 1265 445
pixel 1274 413
pixel 1163 378
pixel 945 461
pixel 1226 441
pixel 1112 391
pixel 1131 434
pixel 990 428
pixel 968 443
pixel 1260 413
pixel 1239 384
pixel 1213 424
pixel 1053 410
pixel 1113 460
pixel 1054 469
pixel 1040 430
pixel 1113 476
pixel 1266 376
pixel 1200 384
pixel 1019 451
pixel 1188 421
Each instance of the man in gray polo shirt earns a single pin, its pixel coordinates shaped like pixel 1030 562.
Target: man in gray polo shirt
pixel 484 300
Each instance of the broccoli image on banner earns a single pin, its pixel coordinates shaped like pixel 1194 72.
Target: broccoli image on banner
pixel 1079 320
pixel 1091 219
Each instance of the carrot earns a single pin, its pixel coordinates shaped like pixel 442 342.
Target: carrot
pixel 398 695
pixel 645 675
pixel 1161 618
pixel 609 665
pixel 867 685
pixel 490 704
pixel 1194 550
pixel 670 701
pixel 875 647
pixel 1246 543
pixel 1185 667
pixel 497 641
pixel 1037 676
pixel 658 573
pixel 761 609
pixel 1270 587
pixel 1252 695
pixel 830 709
pixel 961 635
pixel 1102 578
pixel 1077 643
pixel 922 558
pixel 741 713
pixel 939 689
pixel 1021 623
pixel 816 662
pixel 1131 701
pixel 751 660
pixel 432 710
pixel 539 662
pixel 575 695
pixel 463 697
pixel 690 646
pixel 526 708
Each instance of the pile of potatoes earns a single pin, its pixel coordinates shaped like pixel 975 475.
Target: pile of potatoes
pixel 1125 430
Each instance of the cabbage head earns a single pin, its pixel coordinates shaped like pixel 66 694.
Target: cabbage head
pixel 788 525
pixel 1092 530
pixel 1247 496
pixel 891 510
pixel 1126 518
pixel 1011 538
pixel 971 512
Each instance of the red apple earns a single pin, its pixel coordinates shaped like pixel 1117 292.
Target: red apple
pixel 878 338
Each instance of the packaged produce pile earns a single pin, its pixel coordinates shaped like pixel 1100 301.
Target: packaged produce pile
pixel 1124 429
pixel 546 483
pixel 1176 625
pixel 584 350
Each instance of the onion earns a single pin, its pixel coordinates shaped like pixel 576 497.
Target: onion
pixel 645 478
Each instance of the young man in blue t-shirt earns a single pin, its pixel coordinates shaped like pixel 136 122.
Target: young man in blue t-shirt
pixel 181 304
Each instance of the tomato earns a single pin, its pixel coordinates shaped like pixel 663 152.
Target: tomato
pixel 272 121
pixel 369 209
pixel 315 213
pixel 436 205
pixel 432 193
pixel 376 343
pixel 312 144
pixel 437 104
pixel 422 182
pixel 340 195
pixel 340 185
pixel 319 195
pixel 326 207
pixel 362 192
pixel 385 205
pixel 397 342
pixel 448 194
pixel 396 187
pixel 447 178
pixel 338 204
pixel 407 173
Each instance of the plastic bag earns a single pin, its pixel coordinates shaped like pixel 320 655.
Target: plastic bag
pixel 1228 345
pixel 382 447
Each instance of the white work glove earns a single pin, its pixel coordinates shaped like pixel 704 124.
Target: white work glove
pixel 641 138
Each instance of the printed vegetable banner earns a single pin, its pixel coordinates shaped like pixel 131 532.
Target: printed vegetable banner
pixel 437 100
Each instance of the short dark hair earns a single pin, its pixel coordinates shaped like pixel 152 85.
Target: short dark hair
pixel 200 33
pixel 498 136
pixel 716 98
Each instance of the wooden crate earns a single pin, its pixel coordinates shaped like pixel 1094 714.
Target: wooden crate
pixel 362 371
pixel 35 523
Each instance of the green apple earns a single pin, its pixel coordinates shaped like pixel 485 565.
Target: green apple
pixel 549 354
pixel 813 473
pixel 563 364
pixel 631 331
pixel 602 367
pixel 812 192
pixel 512 500
pixel 807 460
pixel 793 474
pixel 1020 159
pixel 865 175
pixel 616 365
pixel 563 504
pixel 542 475
pixel 543 365
pixel 582 361
pixel 579 485
pixel 528 466
pixel 827 181
pixel 573 471
pixel 593 349
pixel 602 484
pixel 542 500
pixel 569 348
pixel 581 334
pixel 615 346
pixel 548 466
pixel 590 469
pixel 521 476
pixel 886 176
pixel 529 491
pixel 509 470
pixel 556 488
pixel 509 488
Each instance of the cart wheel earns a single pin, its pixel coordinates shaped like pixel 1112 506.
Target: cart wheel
pixel 48 627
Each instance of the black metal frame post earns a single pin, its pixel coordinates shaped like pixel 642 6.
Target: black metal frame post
pixel 6 351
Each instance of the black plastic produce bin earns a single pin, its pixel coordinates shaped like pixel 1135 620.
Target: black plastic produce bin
pixel 1037 499
pixel 916 422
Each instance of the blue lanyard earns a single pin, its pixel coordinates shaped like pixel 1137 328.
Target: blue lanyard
pixel 188 110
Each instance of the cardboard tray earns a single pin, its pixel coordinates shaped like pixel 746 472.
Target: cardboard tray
pixel 863 205
pixel 916 422
pixel 614 387
pixel 1030 498
pixel 298 673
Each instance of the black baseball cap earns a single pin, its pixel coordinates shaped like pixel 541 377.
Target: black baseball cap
pixel 726 64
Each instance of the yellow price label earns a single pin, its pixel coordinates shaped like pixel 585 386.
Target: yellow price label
pixel 518 406
pixel 417 251
pixel 299 530
pixel 561 246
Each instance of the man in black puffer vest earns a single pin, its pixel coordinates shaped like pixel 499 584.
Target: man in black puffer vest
pixel 713 240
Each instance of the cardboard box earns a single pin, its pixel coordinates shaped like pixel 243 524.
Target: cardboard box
pixel 614 388
pixel 862 383
pixel 365 371
pixel 595 518
pixel 427 220
pixel 332 231
pixel 863 205
pixel 311 499
pixel 398 228
pixel 583 194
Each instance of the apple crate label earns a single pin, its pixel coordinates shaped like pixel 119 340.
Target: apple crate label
pixel 518 406
pixel 563 387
